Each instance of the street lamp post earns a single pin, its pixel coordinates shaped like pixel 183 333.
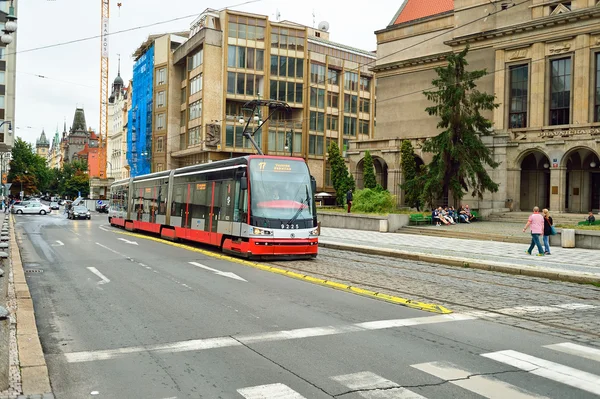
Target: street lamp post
pixel 10 26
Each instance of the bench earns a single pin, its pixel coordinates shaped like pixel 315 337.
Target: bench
pixel 417 218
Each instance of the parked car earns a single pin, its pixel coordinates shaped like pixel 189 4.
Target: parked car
pixel 54 206
pixel 79 212
pixel 31 207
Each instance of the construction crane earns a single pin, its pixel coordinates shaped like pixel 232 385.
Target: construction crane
pixel 104 90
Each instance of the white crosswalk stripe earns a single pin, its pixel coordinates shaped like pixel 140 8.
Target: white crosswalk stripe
pixel 381 388
pixel 270 391
pixel 488 387
pixel 554 371
pixel 577 350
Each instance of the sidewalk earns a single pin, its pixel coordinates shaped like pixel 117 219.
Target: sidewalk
pixel 566 264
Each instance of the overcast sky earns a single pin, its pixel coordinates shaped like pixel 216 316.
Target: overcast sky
pixel 72 71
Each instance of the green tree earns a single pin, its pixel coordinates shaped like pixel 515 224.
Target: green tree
pixel 74 179
pixel 27 168
pixel 369 179
pixel 413 184
pixel 340 177
pixel 460 157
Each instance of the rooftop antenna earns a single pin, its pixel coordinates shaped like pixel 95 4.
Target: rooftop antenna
pixel 277 15
pixel 313 14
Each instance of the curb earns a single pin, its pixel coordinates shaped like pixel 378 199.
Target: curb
pixel 32 364
pixel 532 271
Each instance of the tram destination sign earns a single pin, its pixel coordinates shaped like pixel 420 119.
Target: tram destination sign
pixel 570 132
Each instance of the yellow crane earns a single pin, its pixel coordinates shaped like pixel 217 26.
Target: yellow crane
pixel 104 89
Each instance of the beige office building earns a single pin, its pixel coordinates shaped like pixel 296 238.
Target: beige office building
pixel 544 63
pixel 231 58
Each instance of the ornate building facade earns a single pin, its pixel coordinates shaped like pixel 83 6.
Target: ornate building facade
pixel 117 128
pixel 42 145
pixel 543 63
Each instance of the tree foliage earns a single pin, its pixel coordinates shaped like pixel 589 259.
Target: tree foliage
pixel 27 168
pixel 460 157
pixel 375 200
pixel 412 185
pixel 369 179
pixel 340 177
pixel 73 179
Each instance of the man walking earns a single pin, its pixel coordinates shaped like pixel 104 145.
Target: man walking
pixel 536 221
pixel 349 199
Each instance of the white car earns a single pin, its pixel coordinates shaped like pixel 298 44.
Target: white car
pixel 32 207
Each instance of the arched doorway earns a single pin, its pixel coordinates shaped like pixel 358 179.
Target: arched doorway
pixel 381 173
pixel 535 181
pixel 582 181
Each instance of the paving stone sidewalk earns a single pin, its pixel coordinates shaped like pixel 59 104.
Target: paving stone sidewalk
pixel 562 259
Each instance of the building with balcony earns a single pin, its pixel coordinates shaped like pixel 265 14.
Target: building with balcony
pixel 231 58
pixel 117 127
pixel 8 66
pixel 543 63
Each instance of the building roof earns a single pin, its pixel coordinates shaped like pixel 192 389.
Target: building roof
pixel 79 120
pixel 343 47
pixel 42 141
pixel 413 10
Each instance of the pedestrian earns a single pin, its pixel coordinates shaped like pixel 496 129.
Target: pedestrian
pixel 349 199
pixel 590 219
pixel 536 221
pixel 548 223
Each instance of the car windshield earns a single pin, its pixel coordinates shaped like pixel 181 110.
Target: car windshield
pixel 80 209
pixel 280 189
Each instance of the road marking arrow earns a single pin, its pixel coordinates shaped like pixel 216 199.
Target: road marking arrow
pixel 218 272
pixel 128 242
pixel 58 244
pixel 97 273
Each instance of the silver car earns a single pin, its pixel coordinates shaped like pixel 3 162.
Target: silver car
pixel 31 207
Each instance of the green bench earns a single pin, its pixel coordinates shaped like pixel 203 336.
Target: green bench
pixel 417 218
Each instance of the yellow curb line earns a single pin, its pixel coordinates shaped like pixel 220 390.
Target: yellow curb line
pixel 427 307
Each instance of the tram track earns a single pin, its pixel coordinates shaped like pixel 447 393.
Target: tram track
pixel 308 267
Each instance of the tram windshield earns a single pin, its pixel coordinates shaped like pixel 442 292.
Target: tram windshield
pixel 281 192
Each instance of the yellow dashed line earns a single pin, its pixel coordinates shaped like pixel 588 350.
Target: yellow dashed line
pixel 428 307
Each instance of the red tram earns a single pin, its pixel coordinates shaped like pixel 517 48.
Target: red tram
pixel 252 206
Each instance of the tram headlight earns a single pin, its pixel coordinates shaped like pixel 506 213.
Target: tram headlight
pixel 314 232
pixel 260 232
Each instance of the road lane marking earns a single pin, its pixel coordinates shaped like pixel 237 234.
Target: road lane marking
pixel 577 350
pixel 111 250
pixel 128 242
pixel 427 307
pixel 237 340
pixel 366 380
pixel 270 391
pixel 488 387
pixel 97 273
pixel 554 371
pixel 219 272
pixel 58 244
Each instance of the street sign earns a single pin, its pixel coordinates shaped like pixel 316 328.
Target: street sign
pixel 99 202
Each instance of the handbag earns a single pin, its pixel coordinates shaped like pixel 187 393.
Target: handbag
pixel 553 233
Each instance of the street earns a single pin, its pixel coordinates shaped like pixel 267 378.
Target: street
pixel 121 316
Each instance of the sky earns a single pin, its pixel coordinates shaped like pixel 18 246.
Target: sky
pixel 71 72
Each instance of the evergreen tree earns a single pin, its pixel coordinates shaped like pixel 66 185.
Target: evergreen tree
pixel 369 179
pixel 412 184
pixel 341 179
pixel 460 156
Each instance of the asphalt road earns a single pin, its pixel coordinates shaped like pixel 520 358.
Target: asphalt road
pixel 125 317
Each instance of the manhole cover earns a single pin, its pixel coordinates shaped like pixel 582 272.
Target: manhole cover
pixel 34 271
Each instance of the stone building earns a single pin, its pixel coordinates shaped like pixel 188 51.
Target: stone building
pixel 231 58
pixel 54 154
pixel 42 145
pixel 117 127
pixel 543 59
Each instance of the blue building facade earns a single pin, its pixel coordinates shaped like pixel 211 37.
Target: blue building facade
pixel 139 130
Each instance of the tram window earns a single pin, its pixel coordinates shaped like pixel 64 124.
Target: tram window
pixel 162 198
pixel 199 204
pixel 179 200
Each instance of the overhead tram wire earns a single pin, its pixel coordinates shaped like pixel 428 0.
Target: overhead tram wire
pixel 83 39
pixel 357 69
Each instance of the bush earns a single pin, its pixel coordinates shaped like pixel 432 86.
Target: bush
pixel 373 201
